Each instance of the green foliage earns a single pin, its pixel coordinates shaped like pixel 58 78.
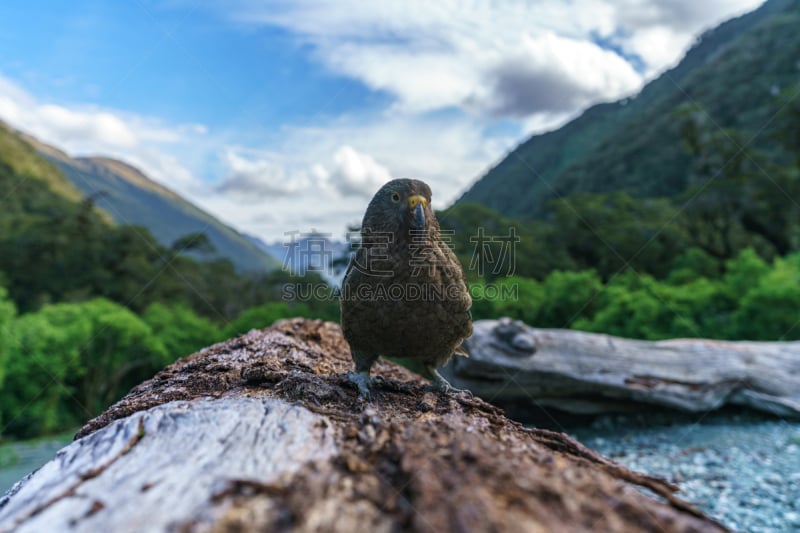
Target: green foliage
pixel 53 249
pixel 639 306
pixel 65 362
pixel 71 360
pixel 519 298
pixel 742 273
pixel 198 242
pixel 553 303
pixel 37 399
pixel 179 330
pixel 746 298
pixel 7 313
pixel 569 295
pixel 736 197
pixel 265 315
pixel 770 308
pixel 538 249
pixel 787 124
pixel 55 246
pixel 692 263
pixel 614 232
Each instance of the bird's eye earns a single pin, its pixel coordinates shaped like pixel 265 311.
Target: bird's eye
pixel 395 197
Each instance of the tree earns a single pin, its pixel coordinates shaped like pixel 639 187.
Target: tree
pixel 568 296
pixel 264 315
pixel 490 246
pixel 518 298
pixel 71 360
pixel 737 196
pixel 7 313
pixel 192 242
pixel 44 365
pixel 614 232
pixel 639 306
pixel 769 307
pixel 179 329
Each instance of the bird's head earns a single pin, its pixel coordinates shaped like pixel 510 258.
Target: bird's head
pixel 400 205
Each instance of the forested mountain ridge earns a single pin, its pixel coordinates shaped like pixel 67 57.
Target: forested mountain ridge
pixel 130 197
pixel 635 145
pixel 56 245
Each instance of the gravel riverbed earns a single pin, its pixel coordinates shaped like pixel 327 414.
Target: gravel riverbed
pixel 741 468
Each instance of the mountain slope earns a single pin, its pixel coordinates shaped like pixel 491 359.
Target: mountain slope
pixel 635 144
pixel 19 158
pixel 130 197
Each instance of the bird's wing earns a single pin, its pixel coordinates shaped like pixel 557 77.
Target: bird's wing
pixel 354 259
pixel 349 268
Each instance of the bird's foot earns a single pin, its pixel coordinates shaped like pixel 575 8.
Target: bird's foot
pixel 443 386
pixel 362 381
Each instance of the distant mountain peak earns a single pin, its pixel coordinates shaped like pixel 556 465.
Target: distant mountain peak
pixel 130 173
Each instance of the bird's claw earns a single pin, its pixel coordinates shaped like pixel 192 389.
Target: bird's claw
pixel 362 382
pixel 443 386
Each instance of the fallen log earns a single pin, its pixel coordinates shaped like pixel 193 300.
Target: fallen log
pixel 511 363
pixel 263 432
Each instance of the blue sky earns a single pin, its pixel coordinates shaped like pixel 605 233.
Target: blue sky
pixel 284 116
pixel 177 62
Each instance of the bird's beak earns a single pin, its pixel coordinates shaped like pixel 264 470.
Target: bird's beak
pixel 416 204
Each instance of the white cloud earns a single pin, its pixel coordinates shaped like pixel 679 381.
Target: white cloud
pixel 513 58
pixel 254 177
pixel 661 32
pixel 447 153
pixel 322 177
pixel 354 173
pixel 680 15
pixel 86 126
pixel 552 74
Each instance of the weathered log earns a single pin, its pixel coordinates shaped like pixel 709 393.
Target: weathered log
pixel 264 432
pixel 511 363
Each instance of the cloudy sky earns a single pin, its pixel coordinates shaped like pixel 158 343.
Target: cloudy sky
pixel 280 116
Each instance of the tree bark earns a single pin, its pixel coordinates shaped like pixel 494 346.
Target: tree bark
pixel 588 373
pixel 264 432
